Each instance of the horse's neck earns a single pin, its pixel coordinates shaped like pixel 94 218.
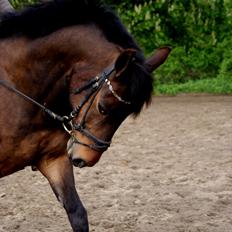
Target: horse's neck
pixel 42 62
pixel 38 67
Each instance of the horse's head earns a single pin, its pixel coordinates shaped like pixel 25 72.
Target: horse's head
pixel 102 103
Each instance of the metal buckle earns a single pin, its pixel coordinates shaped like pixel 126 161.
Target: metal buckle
pixel 67 125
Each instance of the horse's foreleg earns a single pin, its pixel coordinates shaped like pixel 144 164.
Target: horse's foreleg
pixel 59 172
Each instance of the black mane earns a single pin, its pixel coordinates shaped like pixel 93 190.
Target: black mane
pixel 44 18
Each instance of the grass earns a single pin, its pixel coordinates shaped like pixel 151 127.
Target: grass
pixel 213 86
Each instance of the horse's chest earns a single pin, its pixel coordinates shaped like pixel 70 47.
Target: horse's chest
pixel 19 152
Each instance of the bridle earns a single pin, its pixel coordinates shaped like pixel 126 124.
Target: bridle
pixel 93 87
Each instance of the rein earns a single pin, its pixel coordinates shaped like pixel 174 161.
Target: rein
pixel 55 116
pixel 94 86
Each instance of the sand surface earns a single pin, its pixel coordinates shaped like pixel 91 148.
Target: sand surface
pixel 170 170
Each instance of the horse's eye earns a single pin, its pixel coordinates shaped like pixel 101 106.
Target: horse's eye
pixel 102 110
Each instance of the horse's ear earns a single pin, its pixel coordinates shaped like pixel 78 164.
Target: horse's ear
pixel 157 58
pixel 123 61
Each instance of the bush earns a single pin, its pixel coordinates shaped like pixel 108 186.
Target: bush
pixel 21 3
pixel 198 31
pixel 225 70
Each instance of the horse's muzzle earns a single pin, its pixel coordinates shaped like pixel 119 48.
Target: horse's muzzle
pixel 82 156
pixel 78 163
pixel 70 148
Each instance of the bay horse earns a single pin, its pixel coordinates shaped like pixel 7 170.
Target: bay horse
pixel 67 66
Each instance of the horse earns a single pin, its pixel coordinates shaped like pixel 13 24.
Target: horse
pixel 70 74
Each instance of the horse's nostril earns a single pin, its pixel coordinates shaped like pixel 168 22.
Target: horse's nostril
pixel 79 163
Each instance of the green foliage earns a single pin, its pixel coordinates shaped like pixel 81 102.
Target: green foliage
pixel 212 85
pixel 198 31
pixel 21 3
pixel 225 70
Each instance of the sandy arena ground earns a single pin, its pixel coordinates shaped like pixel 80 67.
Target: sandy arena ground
pixel 168 171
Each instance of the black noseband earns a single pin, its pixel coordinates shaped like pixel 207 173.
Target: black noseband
pixel 98 145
